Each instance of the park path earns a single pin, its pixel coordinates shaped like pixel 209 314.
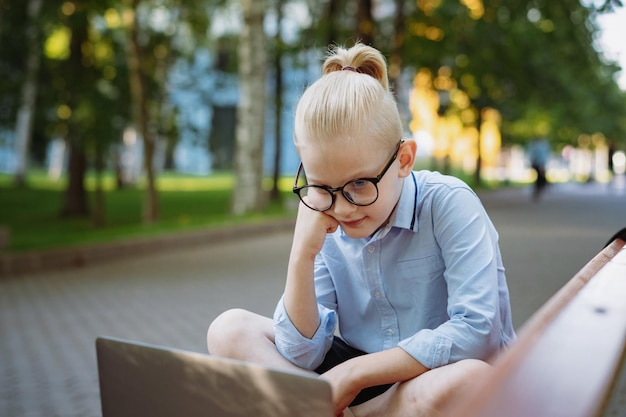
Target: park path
pixel 49 321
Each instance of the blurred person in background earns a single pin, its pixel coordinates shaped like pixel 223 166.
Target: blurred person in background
pixel 539 155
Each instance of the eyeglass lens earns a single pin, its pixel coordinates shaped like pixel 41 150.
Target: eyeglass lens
pixel 359 192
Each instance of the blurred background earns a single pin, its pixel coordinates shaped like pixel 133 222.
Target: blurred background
pixel 133 117
pixel 132 126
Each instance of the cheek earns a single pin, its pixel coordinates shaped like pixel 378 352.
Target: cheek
pixel 381 209
pixel 389 191
pixel 387 200
pixel 318 198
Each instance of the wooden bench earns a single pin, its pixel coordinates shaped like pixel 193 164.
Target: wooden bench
pixel 569 358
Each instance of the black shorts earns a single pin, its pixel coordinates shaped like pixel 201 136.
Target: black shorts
pixel 340 352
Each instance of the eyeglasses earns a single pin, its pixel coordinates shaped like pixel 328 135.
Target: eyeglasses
pixel 359 191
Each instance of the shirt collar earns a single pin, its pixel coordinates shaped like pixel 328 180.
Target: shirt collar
pixel 404 215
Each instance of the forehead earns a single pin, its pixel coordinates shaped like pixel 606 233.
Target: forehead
pixel 335 165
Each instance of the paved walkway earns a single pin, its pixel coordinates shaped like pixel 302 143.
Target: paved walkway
pixel 49 321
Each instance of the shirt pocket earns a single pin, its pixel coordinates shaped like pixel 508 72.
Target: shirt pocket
pixel 425 267
pixel 418 289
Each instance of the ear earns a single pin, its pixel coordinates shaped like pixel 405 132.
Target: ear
pixel 406 156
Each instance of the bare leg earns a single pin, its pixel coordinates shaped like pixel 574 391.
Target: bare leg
pixel 243 335
pixel 428 394
pixel 240 334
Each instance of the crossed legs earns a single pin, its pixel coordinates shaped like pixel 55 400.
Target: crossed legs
pixel 240 334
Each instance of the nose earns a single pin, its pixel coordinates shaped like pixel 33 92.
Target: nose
pixel 342 206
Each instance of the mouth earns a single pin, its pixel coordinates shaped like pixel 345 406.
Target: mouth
pixel 353 223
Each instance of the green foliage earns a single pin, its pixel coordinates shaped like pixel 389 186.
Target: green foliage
pixel 12 59
pixel 532 60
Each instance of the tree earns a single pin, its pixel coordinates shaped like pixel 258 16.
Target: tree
pixel 397 45
pixel 13 20
pixel 249 195
pixel 523 58
pixel 26 112
pixel 364 22
pixel 141 117
pixel 84 101
pixel 77 110
pixel 278 100
pixel 157 33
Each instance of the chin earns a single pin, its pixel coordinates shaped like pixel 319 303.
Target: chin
pixel 358 232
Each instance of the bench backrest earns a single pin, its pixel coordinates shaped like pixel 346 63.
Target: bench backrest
pixel 569 357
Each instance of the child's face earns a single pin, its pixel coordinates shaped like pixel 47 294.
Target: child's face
pixel 335 166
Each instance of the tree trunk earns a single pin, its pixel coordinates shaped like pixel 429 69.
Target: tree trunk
pixel 330 16
pixel 26 112
pixel 365 22
pixel 98 206
pixel 397 44
pixel 479 158
pixel 141 115
pixel 75 204
pixel 278 104
pixel 249 195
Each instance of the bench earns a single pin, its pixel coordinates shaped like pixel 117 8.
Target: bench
pixel 569 358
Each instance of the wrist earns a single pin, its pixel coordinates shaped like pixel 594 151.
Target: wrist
pixel 301 258
pixel 356 373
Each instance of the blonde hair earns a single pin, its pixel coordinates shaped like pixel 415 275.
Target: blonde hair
pixel 350 100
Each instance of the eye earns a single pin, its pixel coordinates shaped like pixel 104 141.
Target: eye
pixel 359 184
pixel 316 191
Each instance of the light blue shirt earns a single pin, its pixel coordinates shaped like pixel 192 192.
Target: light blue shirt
pixel 431 282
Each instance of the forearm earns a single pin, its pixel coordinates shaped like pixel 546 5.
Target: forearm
pixel 381 368
pixel 386 367
pixel 299 298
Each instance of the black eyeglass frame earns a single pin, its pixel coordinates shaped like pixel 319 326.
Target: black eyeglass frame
pixel 374 180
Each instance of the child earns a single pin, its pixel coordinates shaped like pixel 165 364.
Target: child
pixel 405 263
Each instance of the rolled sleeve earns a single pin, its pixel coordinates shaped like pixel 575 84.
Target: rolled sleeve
pixel 469 249
pixel 301 351
pixel 430 348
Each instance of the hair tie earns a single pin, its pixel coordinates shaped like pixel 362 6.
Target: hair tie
pixel 348 68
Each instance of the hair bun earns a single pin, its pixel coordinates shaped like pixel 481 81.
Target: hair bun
pixel 361 59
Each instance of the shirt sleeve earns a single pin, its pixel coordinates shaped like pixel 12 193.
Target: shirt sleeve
pixel 292 345
pixel 468 243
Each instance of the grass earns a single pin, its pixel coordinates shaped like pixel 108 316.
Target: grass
pixel 32 217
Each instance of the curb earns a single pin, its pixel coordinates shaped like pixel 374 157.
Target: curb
pixel 15 264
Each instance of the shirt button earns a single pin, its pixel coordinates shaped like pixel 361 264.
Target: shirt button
pixel 390 332
pixel 371 249
pixel 377 294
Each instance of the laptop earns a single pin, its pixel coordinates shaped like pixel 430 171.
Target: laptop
pixel 139 379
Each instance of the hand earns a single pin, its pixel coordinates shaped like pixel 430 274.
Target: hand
pixel 311 229
pixel 344 384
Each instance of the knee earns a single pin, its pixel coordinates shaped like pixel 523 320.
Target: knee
pixel 227 330
pixel 473 369
pixel 432 392
pixel 462 380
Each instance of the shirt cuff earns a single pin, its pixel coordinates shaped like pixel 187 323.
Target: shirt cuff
pixel 428 347
pixel 300 350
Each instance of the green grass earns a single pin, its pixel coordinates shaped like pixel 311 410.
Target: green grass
pixel 186 203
